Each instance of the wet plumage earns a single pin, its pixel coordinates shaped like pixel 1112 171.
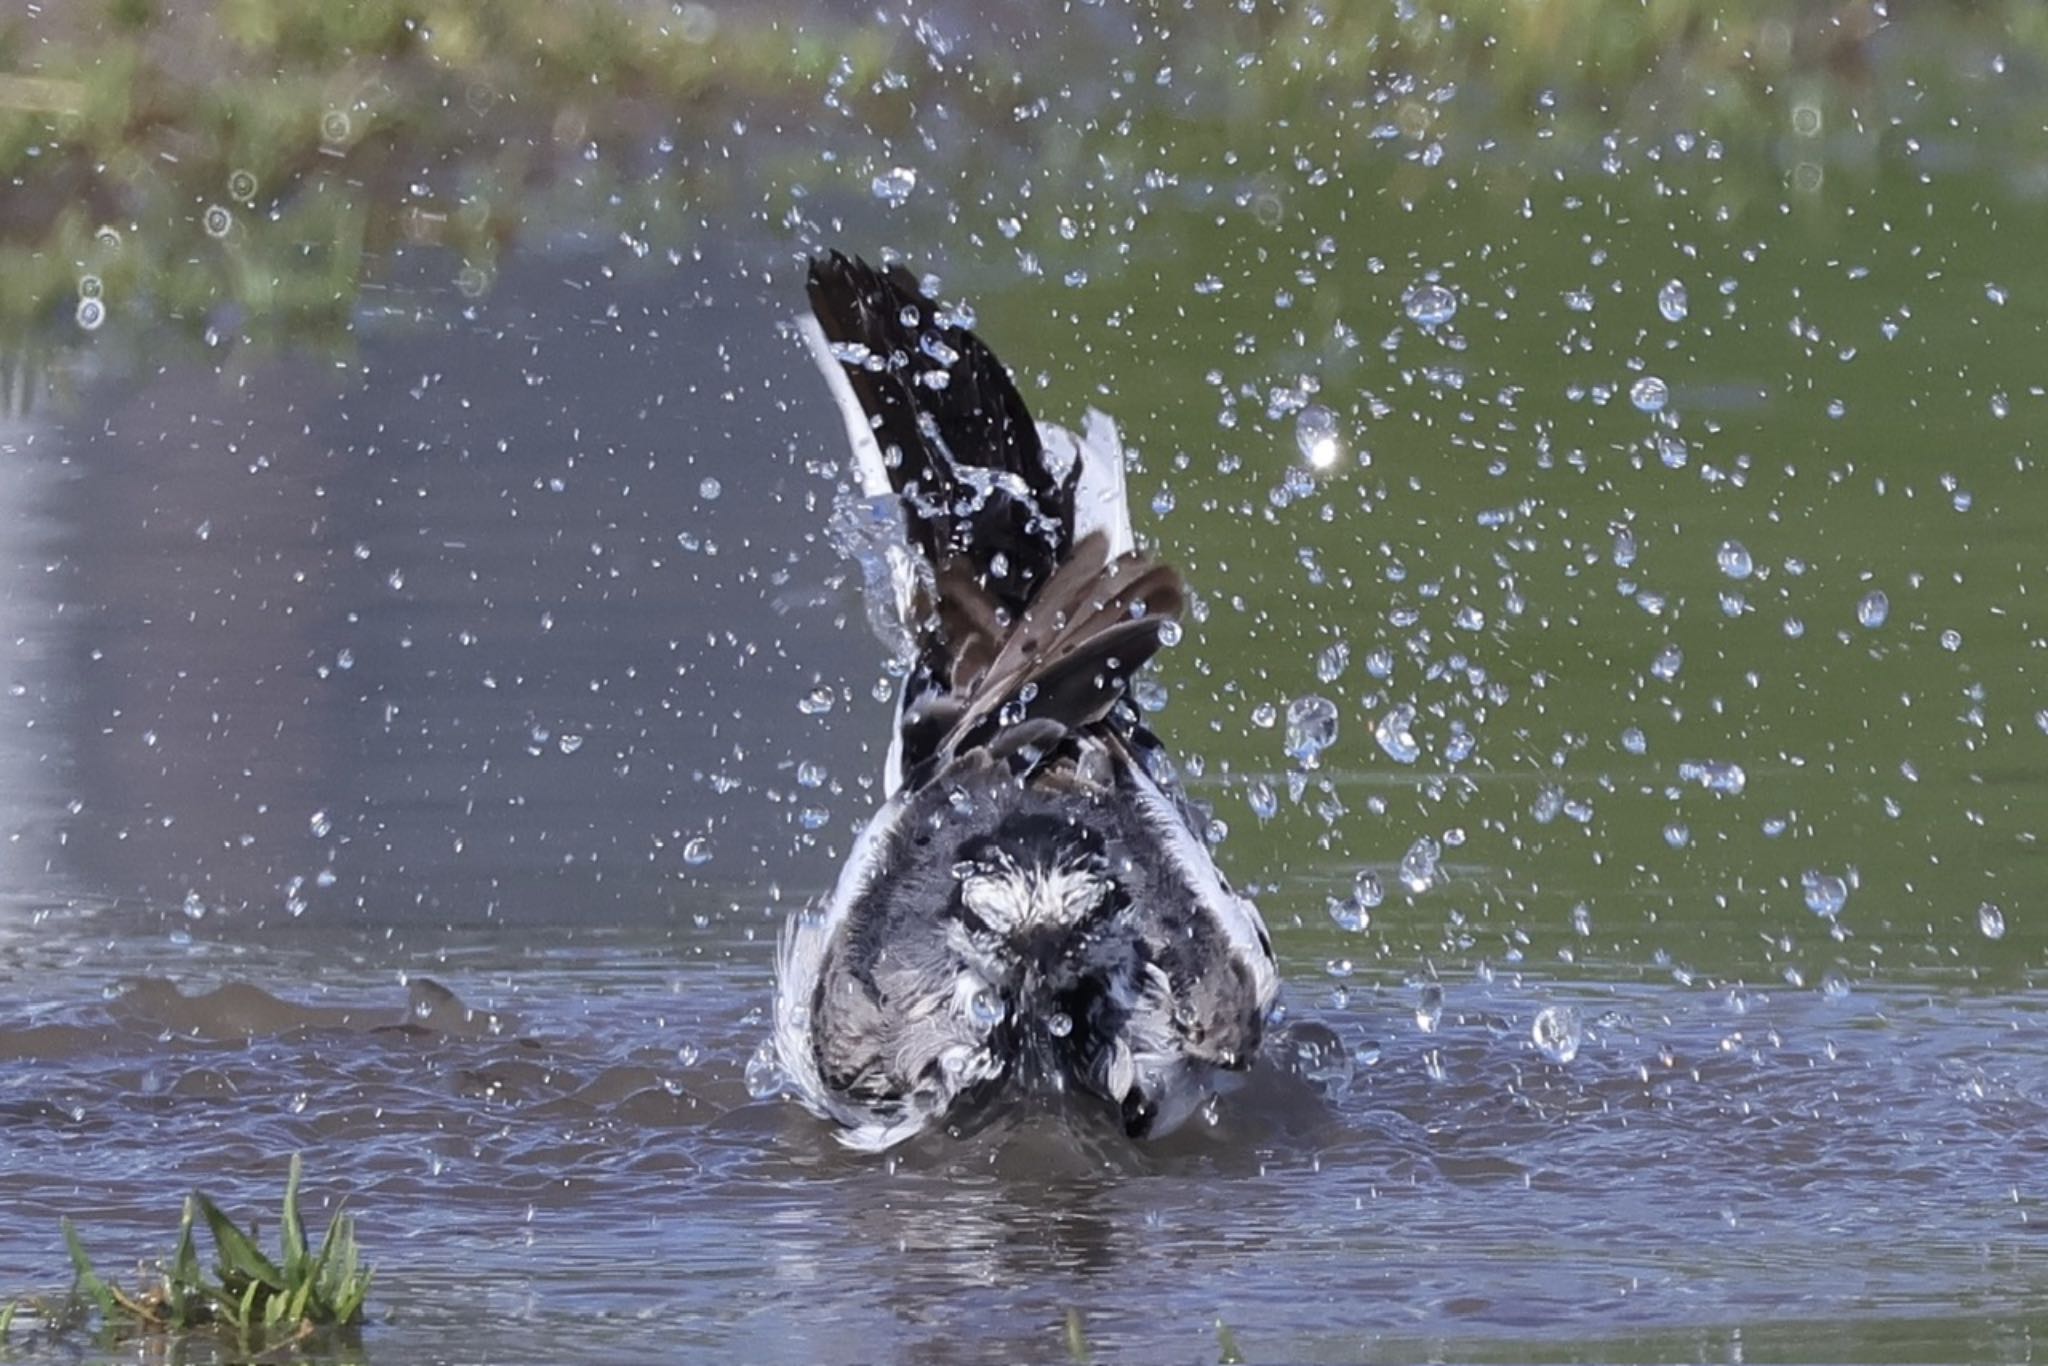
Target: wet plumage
pixel 1033 903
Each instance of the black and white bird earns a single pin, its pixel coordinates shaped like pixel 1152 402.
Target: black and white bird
pixel 1033 903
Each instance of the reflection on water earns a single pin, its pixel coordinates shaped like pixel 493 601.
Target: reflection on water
pixel 429 679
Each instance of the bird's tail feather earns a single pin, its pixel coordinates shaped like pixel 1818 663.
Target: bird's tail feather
pixel 1032 604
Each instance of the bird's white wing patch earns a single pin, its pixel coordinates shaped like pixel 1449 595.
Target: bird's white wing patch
pixel 1099 500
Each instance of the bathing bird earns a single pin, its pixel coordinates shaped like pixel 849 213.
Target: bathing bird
pixel 1034 903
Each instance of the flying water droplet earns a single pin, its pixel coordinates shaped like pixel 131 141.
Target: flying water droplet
pixel 1825 893
pixel 1420 866
pixel 1649 394
pixel 1991 921
pixel 90 314
pixel 1557 1032
pixel 1315 432
pixel 1316 1055
pixel 765 1078
pixel 1873 609
pixel 697 852
pixel 1263 799
pixel 1672 302
pixel 1734 559
pixel 1668 662
pixel 1395 733
pixel 893 186
pixel 1332 661
pixel 320 823
pixel 1311 729
pixel 817 701
pixel 1431 305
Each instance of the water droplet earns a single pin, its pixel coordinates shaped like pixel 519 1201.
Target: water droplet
pixel 765 1077
pixel 1430 305
pixel 569 744
pixel 1671 301
pixel 893 186
pixel 1734 559
pixel 1395 733
pixel 1263 799
pixel 697 852
pixel 218 220
pixel 1429 1007
pixel 1649 394
pixel 1332 661
pixel 1311 729
pixel 986 1009
pixel 320 823
pixel 1715 775
pixel 1059 1024
pixel 1874 608
pixel 1825 893
pixel 1991 921
pixel 1366 889
pixel 709 489
pixel 1834 986
pixel 1419 866
pixel 242 185
pixel 1558 1032
pixel 1668 662
pixel 335 127
pixel 1315 432
pixel 1678 834
pixel 1319 1057
pixel 90 314
pixel 194 907
pixel 817 701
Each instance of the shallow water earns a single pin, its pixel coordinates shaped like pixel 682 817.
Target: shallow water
pixel 416 728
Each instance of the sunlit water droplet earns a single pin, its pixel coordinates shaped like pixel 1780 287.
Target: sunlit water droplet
pixel 1734 559
pixel 218 220
pixel 320 823
pixel 1558 1032
pixel 1311 729
pixel 1395 734
pixel 1873 609
pixel 1668 662
pixel 1264 801
pixel 893 186
pixel 1315 432
pixel 1671 301
pixel 709 489
pixel 1825 893
pixel 1316 1055
pixel 1649 394
pixel 697 852
pixel 817 701
pixel 90 314
pixel 1991 921
pixel 1419 866
pixel 765 1077
pixel 1431 305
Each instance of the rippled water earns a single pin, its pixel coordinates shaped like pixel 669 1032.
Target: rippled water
pixel 1619 538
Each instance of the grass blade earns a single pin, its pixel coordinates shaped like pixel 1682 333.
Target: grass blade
pixel 7 1320
pixel 239 1254
pixel 294 1232
pixel 88 1281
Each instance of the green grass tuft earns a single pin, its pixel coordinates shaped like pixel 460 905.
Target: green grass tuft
pixel 263 1304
